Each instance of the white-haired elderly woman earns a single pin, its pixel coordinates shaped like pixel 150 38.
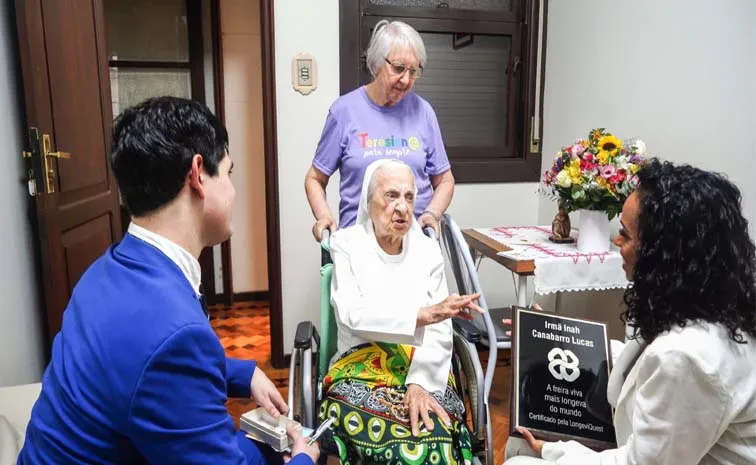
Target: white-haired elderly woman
pixel 383 119
pixel 389 386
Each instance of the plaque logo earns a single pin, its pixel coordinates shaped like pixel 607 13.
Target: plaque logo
pixel 563 364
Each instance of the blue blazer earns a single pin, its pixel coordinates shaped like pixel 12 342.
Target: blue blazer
pixel 137 374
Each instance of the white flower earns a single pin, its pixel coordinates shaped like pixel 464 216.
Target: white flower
pixel 639 146
pixel 563 179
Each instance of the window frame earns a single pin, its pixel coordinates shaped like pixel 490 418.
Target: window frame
pixel 520 159
pixel 195 64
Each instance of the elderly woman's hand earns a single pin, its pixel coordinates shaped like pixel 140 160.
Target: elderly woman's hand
pixel 452 306
pixel 419 402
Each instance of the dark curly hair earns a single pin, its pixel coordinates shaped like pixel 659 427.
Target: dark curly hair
pixel 696 260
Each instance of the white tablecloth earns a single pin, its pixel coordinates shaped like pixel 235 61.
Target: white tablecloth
pixel 559 267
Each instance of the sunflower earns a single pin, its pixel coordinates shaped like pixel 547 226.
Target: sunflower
pixel 609 143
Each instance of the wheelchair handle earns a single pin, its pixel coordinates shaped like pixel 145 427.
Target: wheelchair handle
pixel 325 238
pixel 430 232
pixel 325 247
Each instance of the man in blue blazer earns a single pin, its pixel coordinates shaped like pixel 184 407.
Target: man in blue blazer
pixel 137 374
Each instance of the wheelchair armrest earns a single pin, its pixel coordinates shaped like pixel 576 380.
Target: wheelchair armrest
pixel 467 330
pixel 303 336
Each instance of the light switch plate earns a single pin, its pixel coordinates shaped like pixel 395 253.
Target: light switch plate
pixel 304 73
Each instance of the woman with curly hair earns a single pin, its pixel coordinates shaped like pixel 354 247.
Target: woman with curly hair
pixel 684 387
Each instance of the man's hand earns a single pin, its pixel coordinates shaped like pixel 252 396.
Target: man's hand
pixel 419 402
pixel 454 305
pixel 323 223
pixel 266 395
pixel 299 445
pixel 535 444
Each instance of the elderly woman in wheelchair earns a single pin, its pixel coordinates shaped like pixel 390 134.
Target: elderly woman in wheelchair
pixel 390 388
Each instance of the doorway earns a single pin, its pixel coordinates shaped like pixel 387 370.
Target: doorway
pixel 170 48
pixel 125 51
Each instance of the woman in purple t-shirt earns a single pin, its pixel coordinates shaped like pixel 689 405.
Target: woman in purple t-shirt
pixel 383 119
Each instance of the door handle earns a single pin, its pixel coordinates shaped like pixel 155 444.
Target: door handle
pixel 48 154
pixel 63 155
pixel 46 145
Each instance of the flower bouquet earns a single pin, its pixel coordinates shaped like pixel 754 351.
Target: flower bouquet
pixel 596 174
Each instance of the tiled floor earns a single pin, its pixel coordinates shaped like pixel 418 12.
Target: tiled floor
pixel 244 331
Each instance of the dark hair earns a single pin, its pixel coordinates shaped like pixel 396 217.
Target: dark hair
pixel 153 145
pixel 696 260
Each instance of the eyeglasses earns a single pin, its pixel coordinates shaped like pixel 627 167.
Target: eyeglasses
pixel 399 68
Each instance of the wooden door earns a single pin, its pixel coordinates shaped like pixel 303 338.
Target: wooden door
pixel 68 114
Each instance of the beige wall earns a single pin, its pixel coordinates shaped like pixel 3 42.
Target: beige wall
pixel 242 87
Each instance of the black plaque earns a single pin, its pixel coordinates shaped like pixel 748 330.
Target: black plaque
pixel 560 372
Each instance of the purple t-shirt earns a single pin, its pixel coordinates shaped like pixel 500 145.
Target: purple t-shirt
pixel 357 132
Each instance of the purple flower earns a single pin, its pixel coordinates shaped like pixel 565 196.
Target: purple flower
pixel 608 171
pixel 559 163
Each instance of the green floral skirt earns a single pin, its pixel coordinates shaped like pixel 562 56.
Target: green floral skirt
pixel 365 393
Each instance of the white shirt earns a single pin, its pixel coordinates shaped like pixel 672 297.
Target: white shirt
pixel 186 262
pixel 376 297
pixel 690 398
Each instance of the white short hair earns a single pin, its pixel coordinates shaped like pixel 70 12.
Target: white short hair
pixel 389 36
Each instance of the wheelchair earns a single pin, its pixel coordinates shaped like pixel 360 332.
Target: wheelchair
pixel 313 350
pixel 464 270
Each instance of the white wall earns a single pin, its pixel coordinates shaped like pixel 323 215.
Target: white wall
pixel 678 74
pixel 21 360
pixel 313 27
pixel 242 81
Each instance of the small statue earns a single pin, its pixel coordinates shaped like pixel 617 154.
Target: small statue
pixel 561 227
